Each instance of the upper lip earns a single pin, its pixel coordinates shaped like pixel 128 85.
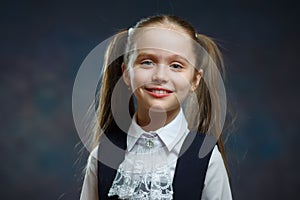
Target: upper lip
pixel 158 88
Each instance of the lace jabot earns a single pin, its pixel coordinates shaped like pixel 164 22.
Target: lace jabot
pixel 148 168
pixel 145 173
pixel 155 185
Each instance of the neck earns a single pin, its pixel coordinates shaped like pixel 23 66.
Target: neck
pixel 154 119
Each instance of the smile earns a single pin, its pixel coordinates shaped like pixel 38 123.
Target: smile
pixel 158 92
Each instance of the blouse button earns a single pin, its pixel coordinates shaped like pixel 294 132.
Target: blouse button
pixel 149 143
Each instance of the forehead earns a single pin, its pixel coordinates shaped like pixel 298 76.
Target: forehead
pixel 166 40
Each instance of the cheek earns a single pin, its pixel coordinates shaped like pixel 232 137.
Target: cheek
pixel 184 81
pixel 139 77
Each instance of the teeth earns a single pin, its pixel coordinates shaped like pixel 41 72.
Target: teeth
pixel 159 91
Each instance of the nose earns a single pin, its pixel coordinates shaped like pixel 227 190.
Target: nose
pixel 160 74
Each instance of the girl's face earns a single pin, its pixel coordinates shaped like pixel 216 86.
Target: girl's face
pixel 162 72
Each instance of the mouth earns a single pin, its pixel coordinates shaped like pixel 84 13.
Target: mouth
pixel 158 92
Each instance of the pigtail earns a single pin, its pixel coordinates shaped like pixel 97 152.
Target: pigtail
pixel 213 51
pixel 208 116
pixel 209 59
pixel 112 72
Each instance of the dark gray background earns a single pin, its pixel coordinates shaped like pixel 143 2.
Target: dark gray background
pixel 44 43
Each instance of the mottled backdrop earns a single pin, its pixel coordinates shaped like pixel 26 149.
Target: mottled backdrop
pixel 44 43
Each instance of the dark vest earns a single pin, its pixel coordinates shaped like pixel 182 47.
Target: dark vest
pixel 190 170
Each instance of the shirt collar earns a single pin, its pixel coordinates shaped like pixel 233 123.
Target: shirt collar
pixel 169 134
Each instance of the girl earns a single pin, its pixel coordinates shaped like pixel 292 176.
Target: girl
pixel 165 150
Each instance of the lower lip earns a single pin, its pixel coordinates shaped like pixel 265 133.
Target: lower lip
pixel 158 95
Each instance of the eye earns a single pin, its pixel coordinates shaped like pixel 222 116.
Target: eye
pixel 176 66
pixel 147 62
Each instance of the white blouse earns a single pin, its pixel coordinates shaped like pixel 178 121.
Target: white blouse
pixel 152 156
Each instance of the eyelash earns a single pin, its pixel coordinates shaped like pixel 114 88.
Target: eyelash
pixel 175 66
pixel 147 62
pixel 178 66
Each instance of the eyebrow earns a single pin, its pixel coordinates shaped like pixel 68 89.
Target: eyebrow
pixel 153 55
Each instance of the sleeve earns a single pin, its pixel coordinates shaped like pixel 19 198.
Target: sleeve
pixel 90 184
pixel 216 184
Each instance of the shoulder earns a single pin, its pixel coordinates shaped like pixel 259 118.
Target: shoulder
pixel 90 185
pixel 216 157
pixel 94 152
pixel 216 163
pixel 216 185
pixel 92 161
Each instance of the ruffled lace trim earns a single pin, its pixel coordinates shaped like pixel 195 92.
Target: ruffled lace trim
pixel 142 186
pixel 146 174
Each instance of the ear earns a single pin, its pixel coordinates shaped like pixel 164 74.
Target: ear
pixel 126 77
pixel 196 80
